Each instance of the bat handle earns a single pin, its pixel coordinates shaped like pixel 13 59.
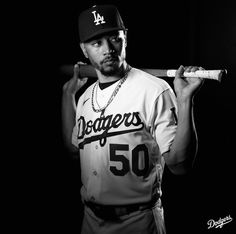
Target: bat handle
pixel 205 74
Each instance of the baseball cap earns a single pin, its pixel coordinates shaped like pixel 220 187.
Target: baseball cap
pixel 98 20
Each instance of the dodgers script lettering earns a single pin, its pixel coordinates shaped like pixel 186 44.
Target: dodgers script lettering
pixel 103 126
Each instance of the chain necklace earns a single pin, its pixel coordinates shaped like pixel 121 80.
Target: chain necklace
pixel 121 81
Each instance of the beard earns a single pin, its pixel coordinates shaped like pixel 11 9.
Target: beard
pixel 109 66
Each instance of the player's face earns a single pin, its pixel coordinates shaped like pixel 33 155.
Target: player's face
pixel 106 53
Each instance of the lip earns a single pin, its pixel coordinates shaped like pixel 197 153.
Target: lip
pixel 109 60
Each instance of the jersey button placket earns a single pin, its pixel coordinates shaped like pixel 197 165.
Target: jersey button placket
pixel 95 172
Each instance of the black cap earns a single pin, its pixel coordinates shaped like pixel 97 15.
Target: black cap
pixel 98 20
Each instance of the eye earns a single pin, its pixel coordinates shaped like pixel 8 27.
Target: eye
pixel 115 39
pixel 96 43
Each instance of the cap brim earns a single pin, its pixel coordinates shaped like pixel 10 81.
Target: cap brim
pixel 101 32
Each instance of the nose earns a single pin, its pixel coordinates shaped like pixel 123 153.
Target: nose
pixel 107 47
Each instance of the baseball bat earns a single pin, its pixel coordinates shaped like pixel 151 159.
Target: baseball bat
pixel 88 71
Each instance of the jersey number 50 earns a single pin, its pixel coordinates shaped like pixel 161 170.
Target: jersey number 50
pixel 135 159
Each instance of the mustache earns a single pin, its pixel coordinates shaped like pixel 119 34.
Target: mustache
pixel 110 58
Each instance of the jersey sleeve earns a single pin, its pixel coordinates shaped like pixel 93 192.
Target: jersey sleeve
pixel 164 120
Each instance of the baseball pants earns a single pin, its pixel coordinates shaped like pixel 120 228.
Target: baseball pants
pixel 150 221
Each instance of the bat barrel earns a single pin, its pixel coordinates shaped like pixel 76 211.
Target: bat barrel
pixel 84 70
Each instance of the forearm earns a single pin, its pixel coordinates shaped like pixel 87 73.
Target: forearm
pixel 68 119
pixel 182 153
pixel 70 88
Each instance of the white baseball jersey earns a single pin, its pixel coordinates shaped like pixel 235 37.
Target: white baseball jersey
pixel 121 152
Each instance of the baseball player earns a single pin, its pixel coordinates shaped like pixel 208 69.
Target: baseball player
pixel 125 127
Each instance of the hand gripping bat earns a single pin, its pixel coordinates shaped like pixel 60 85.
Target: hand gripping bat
pixel 88 71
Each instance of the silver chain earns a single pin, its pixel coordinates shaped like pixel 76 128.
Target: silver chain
pixel 122 80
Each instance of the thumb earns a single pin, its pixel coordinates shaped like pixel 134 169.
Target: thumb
pixel 76 71
pixel 179 72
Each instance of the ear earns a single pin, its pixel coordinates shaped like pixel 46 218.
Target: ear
pixel 125 38
pixel 84 50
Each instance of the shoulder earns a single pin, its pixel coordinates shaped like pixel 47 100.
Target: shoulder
pixel 147 81
pixel 85 95
pixel 88 90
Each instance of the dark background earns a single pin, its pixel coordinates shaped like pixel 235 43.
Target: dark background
pixel 161 34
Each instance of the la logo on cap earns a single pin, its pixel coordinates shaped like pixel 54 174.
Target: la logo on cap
pixel 98 19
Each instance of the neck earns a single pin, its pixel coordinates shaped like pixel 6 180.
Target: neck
pixel 105 79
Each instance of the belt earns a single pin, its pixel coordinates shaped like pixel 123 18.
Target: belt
pixel 110 212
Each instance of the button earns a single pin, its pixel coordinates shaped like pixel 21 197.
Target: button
pixel 95 173
pixel 92 198
pixel 96 147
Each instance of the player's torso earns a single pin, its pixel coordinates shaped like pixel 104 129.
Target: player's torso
pixel 118 153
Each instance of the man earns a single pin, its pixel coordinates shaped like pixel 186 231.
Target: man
pixel 125 129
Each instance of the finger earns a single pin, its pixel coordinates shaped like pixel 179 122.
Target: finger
pixel 190 69
pixel 194 68
pixel 201 82
pixel 179 72
pixel 81 63
pixel 82 81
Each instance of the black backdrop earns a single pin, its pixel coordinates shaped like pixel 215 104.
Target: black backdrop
pixel 160 35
